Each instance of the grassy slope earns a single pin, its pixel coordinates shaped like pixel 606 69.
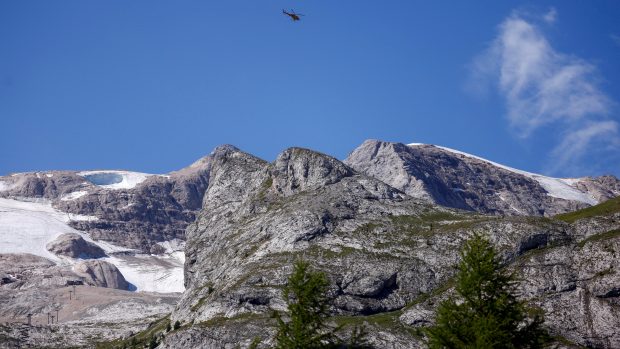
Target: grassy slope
pixel 606 208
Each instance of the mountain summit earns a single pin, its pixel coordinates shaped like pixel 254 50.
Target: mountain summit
pixel 456 179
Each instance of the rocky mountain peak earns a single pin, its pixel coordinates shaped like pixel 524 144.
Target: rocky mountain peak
pixel 234 175
pixel 370 148
pixel 224 150
pixel 455 179
pixel 299 169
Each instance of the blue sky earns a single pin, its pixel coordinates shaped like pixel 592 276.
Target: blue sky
pixel 153 85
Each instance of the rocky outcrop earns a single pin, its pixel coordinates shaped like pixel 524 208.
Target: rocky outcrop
pixel 600 188
pixel 298 169
pixel 74 246
pixel 101 274
pixel 381 249
pixel 387 248
pixel 574 283
pixel 576 287
pixel 158 208
pixel 453 179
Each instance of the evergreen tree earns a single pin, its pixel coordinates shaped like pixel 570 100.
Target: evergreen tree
pixel 307 301
pixel 488 314
pixel 153 343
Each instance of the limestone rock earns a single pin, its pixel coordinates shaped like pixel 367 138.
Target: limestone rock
pixel 452 179
pixel 380 248
pixel 157 209
pixel 102 274
pixel 74 246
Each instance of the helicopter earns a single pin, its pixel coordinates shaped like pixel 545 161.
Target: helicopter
pixel 294 16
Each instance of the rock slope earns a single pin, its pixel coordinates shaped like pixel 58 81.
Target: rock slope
pixel 454 179
pixel 74 246
pixel 372 224
pixel 129 209
pixel 101 274
pixel 389 257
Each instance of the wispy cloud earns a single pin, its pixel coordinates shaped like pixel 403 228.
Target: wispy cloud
pixel 575 143
pixel 551 16
pixel 615 38
pixel 544 87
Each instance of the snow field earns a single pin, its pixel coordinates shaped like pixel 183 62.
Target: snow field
pixel 27 227
pixel 115 179
pixel 555 187
pixel 74 195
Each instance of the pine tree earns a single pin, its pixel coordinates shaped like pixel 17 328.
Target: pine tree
pixel 488 314
pixel 307 301
pixel 153 342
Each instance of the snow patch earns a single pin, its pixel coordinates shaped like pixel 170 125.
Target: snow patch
pixel 151 273
pixel 81 218
pixel 74 195
pixel 173 245
pixel 555 187
pixel 559 188
pixel 27 227
pixel 4 186
pixel 49 175
pixel 115 179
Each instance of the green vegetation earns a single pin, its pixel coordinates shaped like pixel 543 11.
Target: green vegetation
pixel 268 183
pixel 147 338
pixel 602 236
pixel 435 292
pixel 490 316
pixel 602 273
pixel 366 228
pixel 255 342
pixel 238 319
pixel 388 321
pixel 199 304
pixel 153 343
pixel 306 297
pixel 566 342
pixel 202 300
pixel 606 208
pixel 308 311
pixel 430 223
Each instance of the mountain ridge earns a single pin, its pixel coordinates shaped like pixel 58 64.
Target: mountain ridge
pixel 389 256
pixel 455 179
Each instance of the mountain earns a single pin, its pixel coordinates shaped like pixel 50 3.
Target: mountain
pixel 455 179
pixel 389 257
pixel 135 221
pixel 132 210
pixel 388 250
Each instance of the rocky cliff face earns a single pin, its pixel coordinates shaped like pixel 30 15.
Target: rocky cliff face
pixel 389 257
pixel 128 209
pixel 454 179
pixel 371 224
pixel 74 246
pixel 101 274
pixel 137 210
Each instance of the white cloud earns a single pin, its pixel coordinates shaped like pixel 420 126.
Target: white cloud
pixel 544 87
pixel 551 16
pixel 615 38
pixel 576 142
